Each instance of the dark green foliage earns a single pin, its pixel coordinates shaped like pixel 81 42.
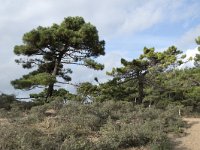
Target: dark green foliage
pixel 11 108
pixel 142 71
pixel 59 95
pixel 180 87
pixel 163 83
pixel 48 49
pixel 6 101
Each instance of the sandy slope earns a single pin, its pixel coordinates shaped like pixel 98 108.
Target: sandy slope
pixel 191 140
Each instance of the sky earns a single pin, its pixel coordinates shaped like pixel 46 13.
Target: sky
pixel 126 25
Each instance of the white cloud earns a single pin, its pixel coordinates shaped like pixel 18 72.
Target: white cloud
pixel 190 53
pixel 188 38
pixel 182 9
pixel 141 18
pixel 113 18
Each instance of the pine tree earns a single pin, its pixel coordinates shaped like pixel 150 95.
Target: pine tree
pixel 144 70
pixel 50 50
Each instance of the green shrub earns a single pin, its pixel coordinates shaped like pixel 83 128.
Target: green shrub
pixel 74 143
pixel 6 101
pixel 104 126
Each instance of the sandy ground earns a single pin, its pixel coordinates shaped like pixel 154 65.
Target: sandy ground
pixel 191 139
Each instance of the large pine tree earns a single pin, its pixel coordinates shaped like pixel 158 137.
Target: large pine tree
pixel 50 51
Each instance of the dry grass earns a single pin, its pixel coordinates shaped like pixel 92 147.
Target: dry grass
pixel 4 121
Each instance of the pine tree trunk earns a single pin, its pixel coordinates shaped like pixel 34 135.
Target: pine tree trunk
pixel 54 73
pixel 50 90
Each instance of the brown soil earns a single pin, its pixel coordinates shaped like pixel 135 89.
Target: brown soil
pixel 191 138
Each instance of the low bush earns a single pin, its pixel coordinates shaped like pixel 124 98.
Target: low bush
pixel 104 126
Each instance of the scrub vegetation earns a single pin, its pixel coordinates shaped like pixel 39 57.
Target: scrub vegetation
pixel 139 108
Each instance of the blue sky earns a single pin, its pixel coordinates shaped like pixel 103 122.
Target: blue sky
pixel 126 26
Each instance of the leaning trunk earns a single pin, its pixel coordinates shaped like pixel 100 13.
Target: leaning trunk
pixel 54 73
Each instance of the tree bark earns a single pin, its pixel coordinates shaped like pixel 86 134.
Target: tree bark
pixel 54 73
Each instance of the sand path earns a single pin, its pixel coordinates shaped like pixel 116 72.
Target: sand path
pixel 191 140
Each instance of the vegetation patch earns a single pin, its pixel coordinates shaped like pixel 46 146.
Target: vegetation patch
pixel 109 125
